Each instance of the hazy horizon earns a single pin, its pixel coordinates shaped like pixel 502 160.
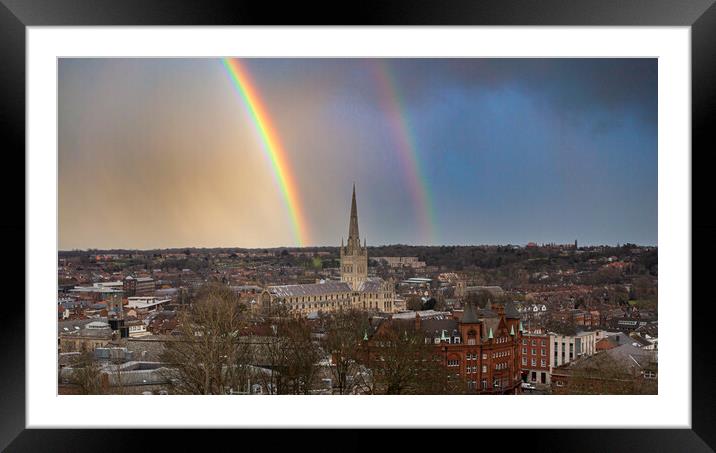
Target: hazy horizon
pixel 158 152
pixel 338 245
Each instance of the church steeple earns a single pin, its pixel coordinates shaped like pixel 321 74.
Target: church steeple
pixel 353 237
pixel 354 258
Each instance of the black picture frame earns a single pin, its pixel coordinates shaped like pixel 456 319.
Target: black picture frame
pixel 16 15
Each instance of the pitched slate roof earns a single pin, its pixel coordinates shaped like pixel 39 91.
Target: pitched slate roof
pixel 469 315
pixel 511 310
pixel 371 285
pixel 311 289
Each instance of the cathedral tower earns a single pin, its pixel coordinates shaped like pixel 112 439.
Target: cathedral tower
pixel 354 258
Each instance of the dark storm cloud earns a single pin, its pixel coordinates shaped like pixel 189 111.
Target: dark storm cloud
pixel 565 84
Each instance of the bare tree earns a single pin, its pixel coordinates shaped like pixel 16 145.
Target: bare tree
pixel 344 334
pixel 208 357
pixel 403 362
pixel 302 356
pixel 414 302
pixel 86 373
pixel 291 355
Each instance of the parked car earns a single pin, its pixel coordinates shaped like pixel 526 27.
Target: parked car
pixel 528 386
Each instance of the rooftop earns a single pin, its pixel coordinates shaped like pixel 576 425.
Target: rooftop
pixel 310 289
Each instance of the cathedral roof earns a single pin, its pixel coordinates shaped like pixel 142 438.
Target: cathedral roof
pixel 371 285
pixel 310 289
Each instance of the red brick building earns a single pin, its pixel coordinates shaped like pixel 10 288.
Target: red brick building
pixel 535 354
pixel 578 317
pixel 483 348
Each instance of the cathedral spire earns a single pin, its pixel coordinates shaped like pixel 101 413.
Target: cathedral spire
pixel 353 238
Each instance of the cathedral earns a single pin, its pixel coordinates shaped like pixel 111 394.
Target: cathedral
pixel 355 289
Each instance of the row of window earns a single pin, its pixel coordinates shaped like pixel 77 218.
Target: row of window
pixel 324 304
pixel 534 342
pixel 543 362
pixel 327 297
pixel 500 354
pixel 483 383
pixel 436 340
pixel 543 351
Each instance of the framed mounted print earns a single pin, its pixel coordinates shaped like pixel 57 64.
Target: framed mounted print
pixel 483 225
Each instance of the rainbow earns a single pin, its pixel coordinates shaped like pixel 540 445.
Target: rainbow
pixel 407 150
pixel 271 145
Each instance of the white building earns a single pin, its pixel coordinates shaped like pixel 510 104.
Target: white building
pixel 146 302
pixel 567 348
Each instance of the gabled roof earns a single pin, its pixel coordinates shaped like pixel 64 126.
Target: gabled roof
pixel 511 310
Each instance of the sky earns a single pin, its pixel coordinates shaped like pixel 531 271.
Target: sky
pixel 162 153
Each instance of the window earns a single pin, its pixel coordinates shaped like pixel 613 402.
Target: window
pixel 484 368
pixel 496 383
pixel 534 362
pixel 543 351
pixel 534 351
pixel 560 384
pixel 524 361
pixel 524 350
pixel 484 383
pixel 484 356
pixel 524 341
pixel 456 340
pixel 534 342
pixel 543 363
pixel 453 362
pixel 544 342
